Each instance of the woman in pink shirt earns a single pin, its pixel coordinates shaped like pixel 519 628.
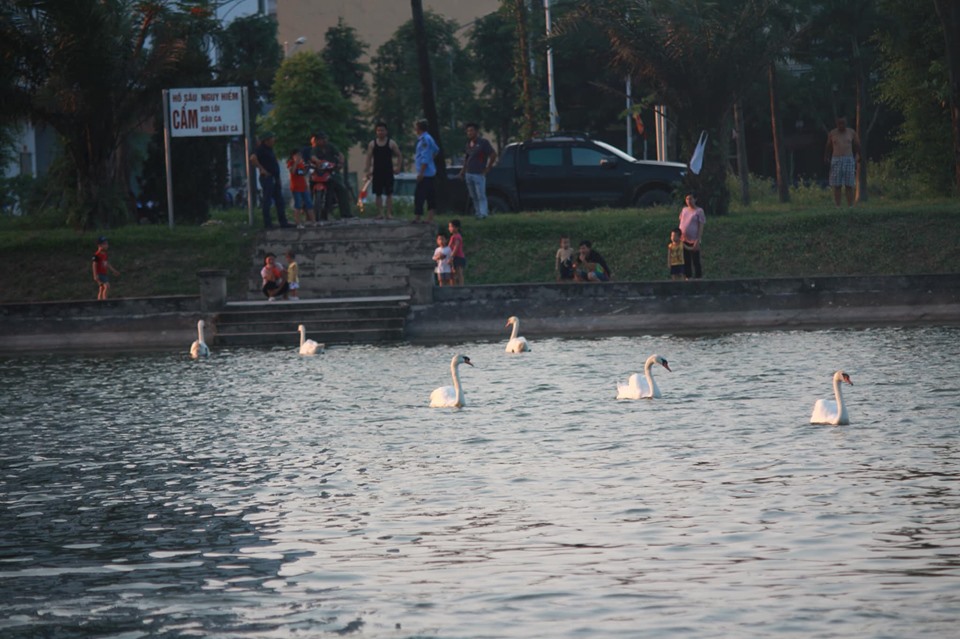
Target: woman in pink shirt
pixel 692 220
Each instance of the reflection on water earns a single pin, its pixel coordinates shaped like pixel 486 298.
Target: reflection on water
pixel 261 494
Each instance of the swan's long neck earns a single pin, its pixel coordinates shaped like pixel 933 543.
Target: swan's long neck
pixel 838 394
pixel 303 335
pixel 200 332
pixel 646 372
pixel 516 329
pixel 455 373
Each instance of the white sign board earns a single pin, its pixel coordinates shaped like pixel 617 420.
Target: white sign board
pixel 206 111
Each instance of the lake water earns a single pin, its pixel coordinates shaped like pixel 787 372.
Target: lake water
pixel 259 494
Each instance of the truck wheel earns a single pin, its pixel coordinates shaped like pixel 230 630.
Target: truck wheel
pixel 655 197
pixel 496 204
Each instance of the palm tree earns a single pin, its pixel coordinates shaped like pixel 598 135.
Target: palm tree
pixel 697 56
pixel 93 71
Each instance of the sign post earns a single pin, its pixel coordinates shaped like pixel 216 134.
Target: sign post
pixel 204 112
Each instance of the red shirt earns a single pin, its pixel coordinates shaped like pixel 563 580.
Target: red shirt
pixel 100 260
pixel 298 176
pixel 456 245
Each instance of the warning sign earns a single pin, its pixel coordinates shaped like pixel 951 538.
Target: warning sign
pixel 206 111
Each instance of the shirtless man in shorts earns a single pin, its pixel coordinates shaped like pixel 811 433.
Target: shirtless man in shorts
pixel 843 147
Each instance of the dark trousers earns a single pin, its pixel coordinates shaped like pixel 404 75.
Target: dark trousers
pixel 272 193
pixel 335 188
pixel 691 264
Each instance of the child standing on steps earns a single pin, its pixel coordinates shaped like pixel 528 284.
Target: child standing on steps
pixel 302 202
pixel 563 263
pixel 101 267
pixel 441 255
pixel 456 251
pixel 293 275
pixel 675 255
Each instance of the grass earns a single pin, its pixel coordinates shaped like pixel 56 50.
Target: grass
pixel 766 239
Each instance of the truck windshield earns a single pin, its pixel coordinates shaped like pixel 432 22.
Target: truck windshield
pixel 614 151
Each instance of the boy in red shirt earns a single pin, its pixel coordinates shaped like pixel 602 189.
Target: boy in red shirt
pixel 100 268
pixel 302 202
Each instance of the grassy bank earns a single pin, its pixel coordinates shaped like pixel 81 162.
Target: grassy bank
pixel 766 240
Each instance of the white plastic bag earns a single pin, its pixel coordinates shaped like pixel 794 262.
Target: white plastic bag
pixel 696 160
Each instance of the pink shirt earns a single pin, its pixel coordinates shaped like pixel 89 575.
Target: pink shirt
pixel 691 223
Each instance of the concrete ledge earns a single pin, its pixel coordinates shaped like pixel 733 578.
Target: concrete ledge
pixel 696 307
pixel 479 312
pixel 121 324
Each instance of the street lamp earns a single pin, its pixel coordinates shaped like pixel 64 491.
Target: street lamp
pixel 296 43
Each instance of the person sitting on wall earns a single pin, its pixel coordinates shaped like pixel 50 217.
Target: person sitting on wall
pixel 589 265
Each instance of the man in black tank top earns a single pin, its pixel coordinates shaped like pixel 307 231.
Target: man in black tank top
pixel 380 168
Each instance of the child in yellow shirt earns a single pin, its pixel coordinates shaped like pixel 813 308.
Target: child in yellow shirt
pixel 293 275
pixel 675 255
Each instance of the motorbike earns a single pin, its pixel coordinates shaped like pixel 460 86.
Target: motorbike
pixel 320 175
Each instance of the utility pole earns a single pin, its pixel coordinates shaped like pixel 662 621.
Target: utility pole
pixel 550 87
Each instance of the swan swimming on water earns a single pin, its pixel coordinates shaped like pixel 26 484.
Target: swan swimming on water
pixel 643 387
pixel 451 396
pixel 827 411
pixel 308 346
pixel 516 344
pixel 199 347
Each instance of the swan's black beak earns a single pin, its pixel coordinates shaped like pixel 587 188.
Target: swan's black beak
pixel 466 360
pixel 666 365
pixel 846 378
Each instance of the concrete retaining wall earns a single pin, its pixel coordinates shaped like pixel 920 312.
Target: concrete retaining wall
pixel 122 324
pixel 695 307
pixel 479 312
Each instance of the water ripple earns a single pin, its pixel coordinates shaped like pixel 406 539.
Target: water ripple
pixel 261 494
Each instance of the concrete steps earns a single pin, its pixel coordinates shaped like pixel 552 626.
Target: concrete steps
pixel 357 320
pixel 348 258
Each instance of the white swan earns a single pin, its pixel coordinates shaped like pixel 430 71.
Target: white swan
pixel 827 411
pixel 451 396
pixel 516 344
pixel 643 387
pixel 199 347
pixel 308 346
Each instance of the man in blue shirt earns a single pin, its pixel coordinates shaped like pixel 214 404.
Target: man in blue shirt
pixel 426 191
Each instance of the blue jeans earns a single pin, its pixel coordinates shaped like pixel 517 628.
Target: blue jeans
pixel 272 193
pixel 477 188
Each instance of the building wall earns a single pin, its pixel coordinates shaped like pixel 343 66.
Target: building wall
pixel 374 20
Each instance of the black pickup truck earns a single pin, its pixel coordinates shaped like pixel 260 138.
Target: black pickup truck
pixel 573 171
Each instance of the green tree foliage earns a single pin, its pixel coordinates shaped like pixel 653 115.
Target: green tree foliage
pixel 343 53
pixel 839 46
pixel 306 99
pixel 491 48
pixel 396 95
pixel 198 163
pixel 696 56
pixel 250 56
pixel 92 70
pixel 914 82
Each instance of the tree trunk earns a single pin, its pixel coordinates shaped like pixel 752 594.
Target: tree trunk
pixel 743 171
pixel 783 189
pixel 526 97
pixel 862 131
pixel 429 99
pixel 949 13
pixel 864 134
